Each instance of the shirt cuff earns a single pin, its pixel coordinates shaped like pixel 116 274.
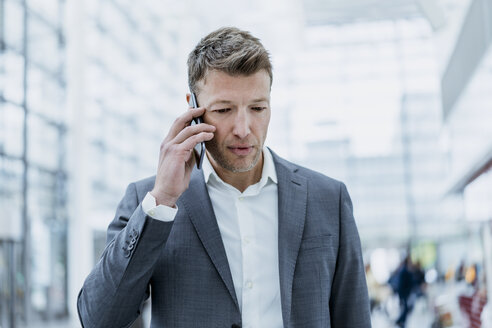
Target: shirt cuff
pixel 158 212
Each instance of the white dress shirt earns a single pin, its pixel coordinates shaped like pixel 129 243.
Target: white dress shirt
pixel 248 224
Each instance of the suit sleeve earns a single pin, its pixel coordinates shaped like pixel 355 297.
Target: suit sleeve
pixel 349 300
pixel 114 292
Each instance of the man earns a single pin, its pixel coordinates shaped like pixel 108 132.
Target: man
pixel 249 241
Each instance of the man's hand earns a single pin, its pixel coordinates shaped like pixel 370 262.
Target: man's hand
pixel 176 158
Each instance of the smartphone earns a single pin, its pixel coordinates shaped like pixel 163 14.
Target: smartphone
pixel 200 147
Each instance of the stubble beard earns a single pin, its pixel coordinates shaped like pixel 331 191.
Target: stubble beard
pixel 222 160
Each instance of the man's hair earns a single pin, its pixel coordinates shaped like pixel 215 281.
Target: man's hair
pixel 228 50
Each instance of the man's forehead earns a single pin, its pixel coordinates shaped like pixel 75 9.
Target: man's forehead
pixel 214 72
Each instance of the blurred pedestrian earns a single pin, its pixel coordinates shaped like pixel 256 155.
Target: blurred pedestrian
pixel 460 271
pixel 403 281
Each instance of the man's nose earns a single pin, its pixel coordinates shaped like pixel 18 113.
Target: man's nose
pixel 242 124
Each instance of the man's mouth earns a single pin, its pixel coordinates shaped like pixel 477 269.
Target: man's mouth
pixel 241 150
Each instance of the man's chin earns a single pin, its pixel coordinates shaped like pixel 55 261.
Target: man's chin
pixel 241 169
pixel 234 164
pixel 238 166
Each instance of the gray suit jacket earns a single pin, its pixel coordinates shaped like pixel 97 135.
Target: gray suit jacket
pixel 183 264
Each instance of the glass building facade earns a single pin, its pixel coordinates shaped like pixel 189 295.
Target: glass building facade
pixel 33 171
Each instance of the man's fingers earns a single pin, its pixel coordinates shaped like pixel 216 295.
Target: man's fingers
pixel 186 146
pixel 192 141
pixel 184 120
pixel 192 130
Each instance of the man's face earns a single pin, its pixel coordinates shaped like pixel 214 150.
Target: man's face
pixel 239 108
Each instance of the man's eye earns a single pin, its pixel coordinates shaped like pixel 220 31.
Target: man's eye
pixel 222 110
pixel 258 109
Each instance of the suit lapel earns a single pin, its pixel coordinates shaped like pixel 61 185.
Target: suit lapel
pixel 292 203
pixel 196 202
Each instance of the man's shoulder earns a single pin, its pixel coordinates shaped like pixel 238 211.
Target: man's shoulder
pixel 313 177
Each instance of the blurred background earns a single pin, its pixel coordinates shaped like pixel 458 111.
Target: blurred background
pixel 393 97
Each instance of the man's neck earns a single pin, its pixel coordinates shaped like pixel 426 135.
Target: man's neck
pixel 240 180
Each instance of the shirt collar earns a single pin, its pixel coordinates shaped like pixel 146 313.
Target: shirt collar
pixel 268 171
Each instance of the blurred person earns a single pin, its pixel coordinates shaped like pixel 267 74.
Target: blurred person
pixel 403 283
pixel 460 271
pixel 378 293
pixel 471 275
pixel 472 300
pixel 250 240
pixel 449 275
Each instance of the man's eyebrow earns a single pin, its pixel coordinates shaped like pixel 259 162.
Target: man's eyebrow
pixel 228 102
pixel 221 102
pixel 261 100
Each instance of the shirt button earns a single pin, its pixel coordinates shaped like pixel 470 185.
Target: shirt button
pixel 152 212
pixel 246 240
pixel 240 198
pixel 249 284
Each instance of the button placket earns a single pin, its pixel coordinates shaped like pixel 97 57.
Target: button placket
pixel 247 233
